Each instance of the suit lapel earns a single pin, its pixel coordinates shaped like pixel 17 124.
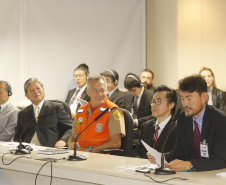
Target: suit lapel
pixel 45 108
pixel 113 95
pixel 151 129
pixel 205 124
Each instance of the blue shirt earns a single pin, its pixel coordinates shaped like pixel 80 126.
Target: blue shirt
pixel 199 120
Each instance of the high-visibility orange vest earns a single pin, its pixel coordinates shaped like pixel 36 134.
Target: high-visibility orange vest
pixel 98 132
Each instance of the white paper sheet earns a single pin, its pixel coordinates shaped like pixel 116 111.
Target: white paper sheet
pixel 154 153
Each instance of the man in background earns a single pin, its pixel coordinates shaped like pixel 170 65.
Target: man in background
pixel 114 94
pixel 79 93
pixel 137 100
pixel 147 79
pixel 8 112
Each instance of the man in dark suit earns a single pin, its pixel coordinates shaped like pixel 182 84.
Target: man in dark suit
pixel 147 79
pixel 155 131
pixel 43 122
pixel 201 136
pixel 114 94
pixel 137 100
pixel 79 93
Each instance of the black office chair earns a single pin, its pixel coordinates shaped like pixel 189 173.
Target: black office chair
pixel 127 141
pixel 66 106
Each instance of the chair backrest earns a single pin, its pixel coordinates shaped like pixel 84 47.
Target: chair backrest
pixel 66 106
pixel 127 141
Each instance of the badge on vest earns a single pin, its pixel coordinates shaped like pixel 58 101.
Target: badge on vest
pixel 99 127
pixel 204 149
pixel 79 122
pixel 117 115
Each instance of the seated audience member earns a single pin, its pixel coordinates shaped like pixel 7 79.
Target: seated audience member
pixel 71 83
pixel 147 79
pixel 114 94
pixel 215 95
pixel 104 133
pixel 201 131
pixel 155 131
pixel 43 122
pixel 137 100
pixel 8 113
pixel 80 74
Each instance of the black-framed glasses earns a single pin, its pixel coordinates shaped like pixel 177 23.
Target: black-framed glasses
pixel 157 101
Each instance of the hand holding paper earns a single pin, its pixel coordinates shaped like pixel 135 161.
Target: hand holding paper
pixel 154 153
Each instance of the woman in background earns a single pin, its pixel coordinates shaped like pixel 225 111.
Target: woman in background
pixel 216 96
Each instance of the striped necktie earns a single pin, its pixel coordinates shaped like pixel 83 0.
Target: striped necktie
pixel 155 135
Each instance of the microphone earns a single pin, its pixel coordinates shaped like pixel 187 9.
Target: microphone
pixel 80 157
pixel 162 170
pixel 25 149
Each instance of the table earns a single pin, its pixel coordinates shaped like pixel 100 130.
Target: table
pixel 97 169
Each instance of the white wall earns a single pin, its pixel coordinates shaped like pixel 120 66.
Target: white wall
pixel 188 35
pixel 49 38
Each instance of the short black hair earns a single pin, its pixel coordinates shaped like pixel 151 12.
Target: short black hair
pixel 111 74
pixel 171 95
pixel 82 67
pixel 131 81
pixel 193 83
pixel 149 71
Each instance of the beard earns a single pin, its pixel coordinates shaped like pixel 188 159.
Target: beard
pixel 193 112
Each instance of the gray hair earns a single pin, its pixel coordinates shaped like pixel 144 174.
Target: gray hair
pixel 31 80
pixel 96 78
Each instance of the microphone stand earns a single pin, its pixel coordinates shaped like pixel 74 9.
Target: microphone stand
pixel 162 170
pixel 80 157
pixel 21 149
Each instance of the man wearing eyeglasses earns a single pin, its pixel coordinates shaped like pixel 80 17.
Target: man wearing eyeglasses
pixel 74 95
pixel 155 131
pixel 201 133
pixel 107 130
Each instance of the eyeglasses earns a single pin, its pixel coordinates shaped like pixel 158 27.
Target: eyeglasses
pixel 79 76
pixel 157 101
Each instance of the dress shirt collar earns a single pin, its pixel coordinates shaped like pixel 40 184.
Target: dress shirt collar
pixel 4 105
pixel 39 105
pixel 163 123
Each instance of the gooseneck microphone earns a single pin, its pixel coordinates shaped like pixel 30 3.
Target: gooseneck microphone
pixel 162 170
pixel 25 149
pixel 80 157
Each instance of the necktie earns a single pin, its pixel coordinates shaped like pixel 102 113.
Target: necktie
pixel 73 98
pixel 36 113
pixel 196 141
pixel 35 137
pixel 135 107
pixel 155 135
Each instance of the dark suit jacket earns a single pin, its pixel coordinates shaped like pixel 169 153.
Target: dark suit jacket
pixel 218 98
pixel 144 108
pixel 53 124
pixel 117 97
pixel 83 97
pixel 147 134
pixel 213 131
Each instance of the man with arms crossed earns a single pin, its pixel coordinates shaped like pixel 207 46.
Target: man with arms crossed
pixel 201 136
pixel 104 133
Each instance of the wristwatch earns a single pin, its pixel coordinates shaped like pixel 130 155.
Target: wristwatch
pixel 90 148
